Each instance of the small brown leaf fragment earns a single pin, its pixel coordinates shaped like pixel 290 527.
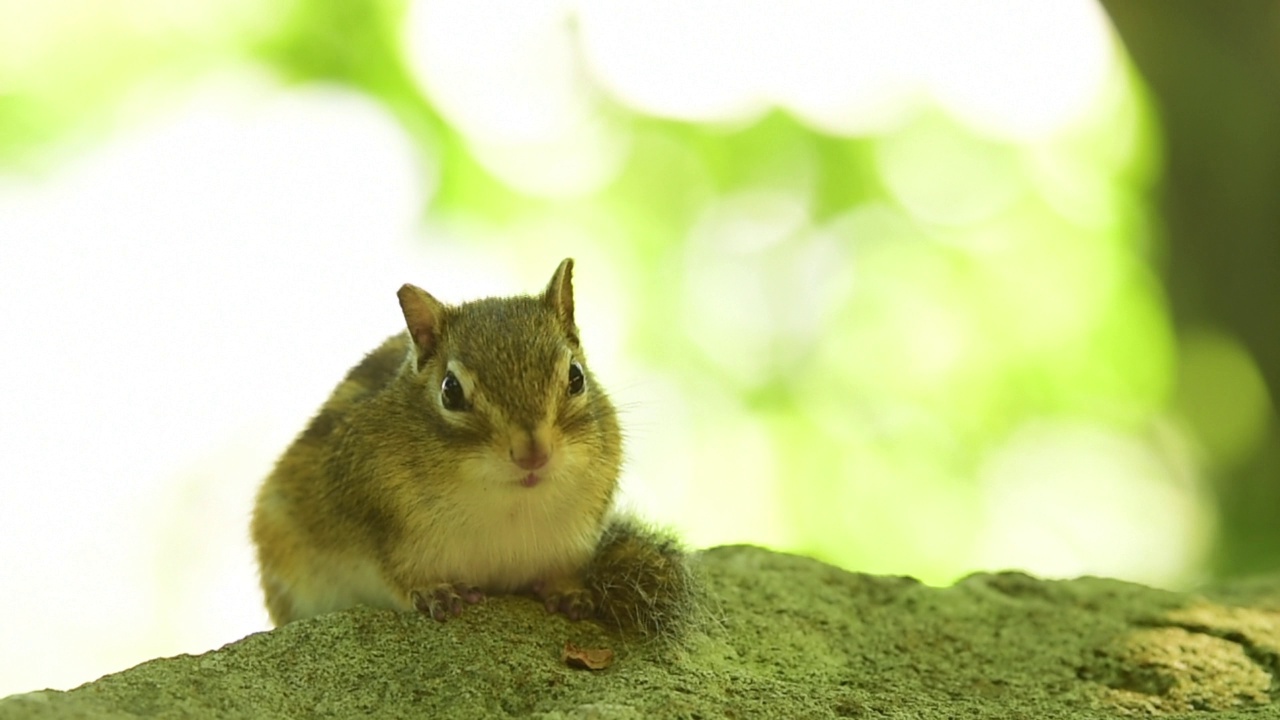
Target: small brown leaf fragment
pixel 586 658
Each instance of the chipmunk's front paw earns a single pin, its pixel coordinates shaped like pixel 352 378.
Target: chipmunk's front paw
pixel 445 600
pixel 575 603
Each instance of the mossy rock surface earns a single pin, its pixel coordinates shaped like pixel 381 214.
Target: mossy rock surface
pixel 792 638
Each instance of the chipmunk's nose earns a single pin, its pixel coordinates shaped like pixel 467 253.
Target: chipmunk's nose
pixel 530 450
pixel 532 461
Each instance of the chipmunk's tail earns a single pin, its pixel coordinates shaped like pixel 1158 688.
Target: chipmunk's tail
pixel 643 581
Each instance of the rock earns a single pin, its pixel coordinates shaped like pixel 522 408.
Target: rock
pixel 789 637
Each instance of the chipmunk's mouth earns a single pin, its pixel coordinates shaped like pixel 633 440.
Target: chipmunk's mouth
pixel 530 480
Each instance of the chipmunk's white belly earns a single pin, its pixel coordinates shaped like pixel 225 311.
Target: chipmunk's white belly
pixel 501 558
pixel 507 543
pixel 506 540
pixel 341 582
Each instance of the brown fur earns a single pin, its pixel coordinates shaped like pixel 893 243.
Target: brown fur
pixel 391 499
pixel 642 581
pixel 371 498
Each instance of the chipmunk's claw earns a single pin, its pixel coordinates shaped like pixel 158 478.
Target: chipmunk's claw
pixel 445 600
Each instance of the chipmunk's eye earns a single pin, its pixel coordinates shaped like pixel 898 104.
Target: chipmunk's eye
pixel 577 381
pixel 451 393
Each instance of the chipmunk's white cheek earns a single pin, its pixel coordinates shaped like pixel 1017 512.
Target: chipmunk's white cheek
pixel 573 460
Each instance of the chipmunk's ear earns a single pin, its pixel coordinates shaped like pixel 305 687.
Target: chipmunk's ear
pixel 422 316
pixel 559 296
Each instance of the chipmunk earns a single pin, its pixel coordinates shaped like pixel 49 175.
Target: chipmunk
pixel 472 453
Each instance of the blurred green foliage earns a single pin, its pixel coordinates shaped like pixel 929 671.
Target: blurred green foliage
pixel 868 319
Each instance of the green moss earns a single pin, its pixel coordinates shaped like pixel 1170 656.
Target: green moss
pixel 794 638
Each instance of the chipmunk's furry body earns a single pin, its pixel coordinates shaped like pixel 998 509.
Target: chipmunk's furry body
pixel 472 453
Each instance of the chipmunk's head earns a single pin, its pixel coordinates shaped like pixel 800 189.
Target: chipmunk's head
pixel 505 381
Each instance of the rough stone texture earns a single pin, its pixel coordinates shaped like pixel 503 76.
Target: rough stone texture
pixel 795 638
